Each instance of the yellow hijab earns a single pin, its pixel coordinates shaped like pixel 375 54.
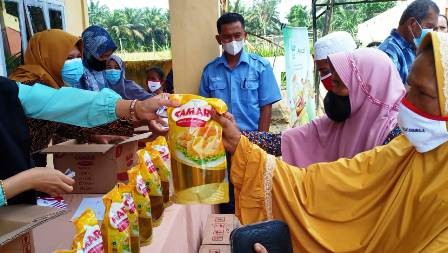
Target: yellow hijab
pixel 389 199
pixel 45 56
pixel 439 43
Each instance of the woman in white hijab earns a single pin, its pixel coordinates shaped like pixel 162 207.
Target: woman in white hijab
pixel 335 42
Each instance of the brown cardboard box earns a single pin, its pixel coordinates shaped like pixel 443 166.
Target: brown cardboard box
pixel 218 229
pixel 58 234
pixel 141 130
pixel 214 249
pixel 97 166
pixel 16 223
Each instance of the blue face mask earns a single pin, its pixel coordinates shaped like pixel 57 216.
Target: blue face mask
pixel 72 71
pixel 112 75
pixel 418 41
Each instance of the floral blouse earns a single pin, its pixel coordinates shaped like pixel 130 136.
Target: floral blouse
pixel 271 142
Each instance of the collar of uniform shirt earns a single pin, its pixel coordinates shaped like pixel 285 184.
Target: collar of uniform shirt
pixel 244 57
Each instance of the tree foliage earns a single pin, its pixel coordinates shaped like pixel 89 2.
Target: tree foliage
pixel 133 30
pixel 147 29
pixel 345 17
pixel 348 17
pixel 261 16
pixel 299 16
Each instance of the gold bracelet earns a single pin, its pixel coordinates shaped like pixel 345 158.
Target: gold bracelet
pixel 3 192
pixel 132 112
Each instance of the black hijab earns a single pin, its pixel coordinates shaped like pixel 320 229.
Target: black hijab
pixel 15 140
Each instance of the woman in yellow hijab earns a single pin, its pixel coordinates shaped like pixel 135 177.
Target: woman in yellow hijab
pixel 45 56
pixel 393 198
pixel 45 61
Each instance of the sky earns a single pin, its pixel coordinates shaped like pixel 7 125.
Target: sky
pixel 284 7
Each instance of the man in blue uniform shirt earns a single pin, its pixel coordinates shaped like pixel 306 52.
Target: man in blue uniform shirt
pixel 243 80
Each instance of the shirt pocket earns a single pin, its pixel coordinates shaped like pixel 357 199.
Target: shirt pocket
pixel 252 82
pixel 217 88
pixel 249 88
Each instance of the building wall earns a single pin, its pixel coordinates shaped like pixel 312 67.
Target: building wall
pixel 76 16
pixel 12 29
pixel 193 30
pixel 13 41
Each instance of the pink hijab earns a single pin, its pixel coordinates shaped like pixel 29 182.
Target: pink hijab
pixel 375 89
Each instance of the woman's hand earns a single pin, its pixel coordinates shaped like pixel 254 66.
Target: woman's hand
pixel 46 180
pixel 231 134
pixel 50 181
pixel 300 105
pixel 147 109
pixel 260 248
pixel 144 110
pixel 156 128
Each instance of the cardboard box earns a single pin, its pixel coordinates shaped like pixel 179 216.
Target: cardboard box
pixel 218 229
pixel 98 167
pixel 16 223
pixel 22 244
pixel 214 249
pixel 141 130
pixel 58 234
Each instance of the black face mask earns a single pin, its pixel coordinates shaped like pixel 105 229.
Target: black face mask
pixel 337 107
pixel 96 64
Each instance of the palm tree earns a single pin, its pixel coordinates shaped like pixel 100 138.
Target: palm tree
pixel 97 12
pixel 262 16
pixel 267 14
pixel 345 19
pixel 133 29
pixel 135 26
pixel 156 28
pixel 116 23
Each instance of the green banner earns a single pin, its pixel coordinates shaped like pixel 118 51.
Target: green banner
pixel 299 76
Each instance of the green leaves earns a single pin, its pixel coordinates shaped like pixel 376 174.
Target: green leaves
pixel 348 17
pixel 345 17
pixel 299 16
pixel 262 16
pixel 133 30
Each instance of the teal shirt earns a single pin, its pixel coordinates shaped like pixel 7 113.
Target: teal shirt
pixel 69 105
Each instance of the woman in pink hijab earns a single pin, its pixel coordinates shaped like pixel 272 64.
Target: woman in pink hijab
pixel 361 111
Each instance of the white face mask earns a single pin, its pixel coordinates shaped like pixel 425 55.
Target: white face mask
pixel 423 133
pixel 153 86
pixel 233 47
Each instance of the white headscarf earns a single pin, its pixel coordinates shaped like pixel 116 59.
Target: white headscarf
pixel 334 42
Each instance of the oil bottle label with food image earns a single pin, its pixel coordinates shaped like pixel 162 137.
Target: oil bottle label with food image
pixel 198 157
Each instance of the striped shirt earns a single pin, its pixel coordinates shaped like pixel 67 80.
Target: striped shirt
pixel 401 52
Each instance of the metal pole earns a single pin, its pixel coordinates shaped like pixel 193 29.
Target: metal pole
pixel 358 2
pixel 3 71
pixel 316 77
pixel 328 15
pixel 313 10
